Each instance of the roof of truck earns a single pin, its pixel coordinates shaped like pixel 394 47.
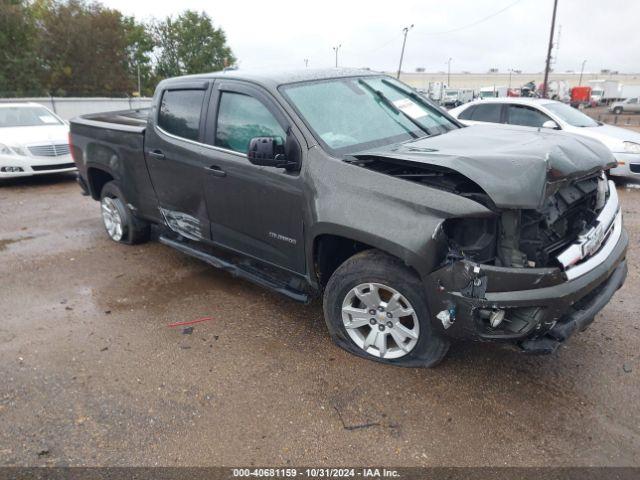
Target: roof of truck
pixel 274 78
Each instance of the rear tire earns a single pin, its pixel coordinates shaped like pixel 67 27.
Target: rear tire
pixel 119 222
pixel 375 307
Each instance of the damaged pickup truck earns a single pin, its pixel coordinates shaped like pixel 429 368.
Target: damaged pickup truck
pixel 349 185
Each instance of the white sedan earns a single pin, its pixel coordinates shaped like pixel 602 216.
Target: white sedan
pixel 541 113
pixel 33 141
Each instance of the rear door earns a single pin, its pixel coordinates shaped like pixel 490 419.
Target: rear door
pixel 252 209
pixel 173 150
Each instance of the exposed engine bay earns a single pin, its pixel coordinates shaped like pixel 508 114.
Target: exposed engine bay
pixel 513 238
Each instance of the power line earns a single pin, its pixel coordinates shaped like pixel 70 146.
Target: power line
pixel 473 24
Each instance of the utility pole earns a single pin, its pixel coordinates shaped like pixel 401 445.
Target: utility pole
pixel 404 42
pixel 335 49
pixel 449 72
pixel 581 72
pixel 548 65
pixel 306 63
pixel 139 83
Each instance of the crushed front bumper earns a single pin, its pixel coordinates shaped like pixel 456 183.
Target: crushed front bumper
pixel 543 306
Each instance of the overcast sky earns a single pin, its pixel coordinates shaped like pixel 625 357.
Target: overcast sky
pixel 282 33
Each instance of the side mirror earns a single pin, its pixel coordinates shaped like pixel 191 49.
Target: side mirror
pixel 551 125
pixel 268 152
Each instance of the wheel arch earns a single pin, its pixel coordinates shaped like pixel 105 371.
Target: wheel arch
pixel 333 245
pixel 97 178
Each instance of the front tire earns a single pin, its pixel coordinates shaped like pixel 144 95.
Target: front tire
pixel 617 110
pixel 375 307
pixel 121 225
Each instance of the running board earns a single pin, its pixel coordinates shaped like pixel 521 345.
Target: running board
pixel 246 273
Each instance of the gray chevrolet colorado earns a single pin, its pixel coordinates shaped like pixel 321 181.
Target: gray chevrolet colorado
pixel 349 185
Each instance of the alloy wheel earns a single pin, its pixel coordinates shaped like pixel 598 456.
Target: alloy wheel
pixel 112 218
pixel 380 320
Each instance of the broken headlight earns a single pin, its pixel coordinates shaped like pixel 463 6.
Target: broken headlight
pixel 472 238
pixel 603 191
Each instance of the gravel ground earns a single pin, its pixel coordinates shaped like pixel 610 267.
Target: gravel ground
pixel 90 374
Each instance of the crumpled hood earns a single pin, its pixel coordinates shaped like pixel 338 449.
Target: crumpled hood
pixel 513 166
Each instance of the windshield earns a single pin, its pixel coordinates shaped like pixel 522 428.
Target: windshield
pixel 571 115
pixel 452 93
pixel 357 113
pixel 26 117
pixel 597 92
pixel 487 94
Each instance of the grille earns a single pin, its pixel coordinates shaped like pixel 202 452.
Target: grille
pixel 59 166
pixel 544 234
pixel 50 150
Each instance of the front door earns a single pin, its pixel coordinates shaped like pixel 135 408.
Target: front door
pixel 252 209
pixel 173 151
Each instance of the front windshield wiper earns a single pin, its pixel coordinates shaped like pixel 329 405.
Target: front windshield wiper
pixel 393 107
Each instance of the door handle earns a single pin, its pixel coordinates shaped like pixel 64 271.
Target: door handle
pixel 216 171
pixel 157 154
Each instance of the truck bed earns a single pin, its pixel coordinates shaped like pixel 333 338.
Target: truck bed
pixel 112 144
pixel 122 120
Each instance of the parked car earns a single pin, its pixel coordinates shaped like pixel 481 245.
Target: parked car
pixel 349 185
pixel 534 113
pixel 630 105
pixel 33 141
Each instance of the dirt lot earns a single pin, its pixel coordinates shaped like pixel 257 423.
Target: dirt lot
pixel 90 374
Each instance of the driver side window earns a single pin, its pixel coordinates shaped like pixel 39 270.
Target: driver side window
pixel 525 116
pixel 240 118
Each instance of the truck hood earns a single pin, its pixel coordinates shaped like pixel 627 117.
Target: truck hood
pixel 514 167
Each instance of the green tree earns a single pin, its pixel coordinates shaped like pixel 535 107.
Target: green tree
pixel 19 63
pixel 190 44
pixel 140 46
pixel 84 49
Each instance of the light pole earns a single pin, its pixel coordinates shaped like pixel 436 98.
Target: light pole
pixel 548 65
pixel 404 42
pixel 581 72
pixel 449 72
pixel 335 49
pixel 306 63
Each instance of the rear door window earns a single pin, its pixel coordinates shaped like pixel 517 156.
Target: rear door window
pixel 525 116
pixel 487 112
pixel 180 112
